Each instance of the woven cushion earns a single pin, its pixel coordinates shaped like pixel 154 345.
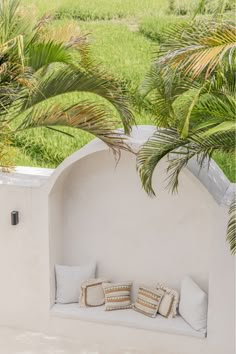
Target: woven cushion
pixel 169 302
pixel 91 293
pixel 117 296
pixel 148 301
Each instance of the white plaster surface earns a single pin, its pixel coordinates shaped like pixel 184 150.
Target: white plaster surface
pixel 25 176
pixel 91 208
pixel 107 217
pixel 14 341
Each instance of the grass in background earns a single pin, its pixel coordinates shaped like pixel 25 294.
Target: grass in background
pixel 98 9
pixel 48 149
pixel 227 163
pixel 154 27
pixel 123 52
pixel 19 158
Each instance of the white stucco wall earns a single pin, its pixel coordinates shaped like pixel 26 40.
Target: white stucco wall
pixel 24 257
pixel 90 209
pixel 107 217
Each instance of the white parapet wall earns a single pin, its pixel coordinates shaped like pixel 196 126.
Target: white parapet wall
pixel 92 208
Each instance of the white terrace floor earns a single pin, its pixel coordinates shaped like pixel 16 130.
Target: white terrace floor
pixel 24 342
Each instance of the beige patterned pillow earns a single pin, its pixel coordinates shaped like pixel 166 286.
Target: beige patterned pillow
pixel 169 303
pixel 148 301
pixel 91 293
pixel 117 296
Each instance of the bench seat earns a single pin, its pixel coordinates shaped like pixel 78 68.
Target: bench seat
pixel 128 318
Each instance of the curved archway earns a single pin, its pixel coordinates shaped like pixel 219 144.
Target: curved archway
pixel 98 211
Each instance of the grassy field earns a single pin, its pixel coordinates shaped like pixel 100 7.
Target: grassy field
pixel 123 36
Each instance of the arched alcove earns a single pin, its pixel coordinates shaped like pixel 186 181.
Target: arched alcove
pixel 99 212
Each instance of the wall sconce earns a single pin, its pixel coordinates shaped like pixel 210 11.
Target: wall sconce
pixel 14 217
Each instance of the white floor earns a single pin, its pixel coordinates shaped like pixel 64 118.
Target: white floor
pixel 21 342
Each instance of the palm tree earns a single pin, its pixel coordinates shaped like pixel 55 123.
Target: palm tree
pixel 191 86
pixel 36 72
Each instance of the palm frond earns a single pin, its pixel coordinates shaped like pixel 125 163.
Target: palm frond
pixel 199 48
pixel 202 149
pixel 221 107
pixel 159 145
pixel 41 54
pixel 181 102
pixel 222 127
pixel 91 117
pixel 12 24
pixel 16 45
pixel 192 85
pixel 213 109
pixel 12 77
pixel 231 228
pixel 187 109
pixel 8 10
pixel 168 141
pixel 162 86
pixel 68 80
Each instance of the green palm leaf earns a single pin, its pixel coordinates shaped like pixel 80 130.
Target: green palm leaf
pixel 199 48
pixel 187 110
pixel 45 53
pixel 192 87
pixel 162 86
pixel 68 80
pixel 91 117
pixel 220 128
pixel 159 145
pixel 168 141
pixel 216 105
pixel 10 24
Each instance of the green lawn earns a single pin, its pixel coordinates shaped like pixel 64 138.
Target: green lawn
pixel 99 9
pixel 123 35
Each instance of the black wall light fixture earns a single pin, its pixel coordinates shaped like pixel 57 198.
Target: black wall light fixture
pixel 14 217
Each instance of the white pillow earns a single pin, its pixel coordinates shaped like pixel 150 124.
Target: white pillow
pixel 69 279
pixel 193 304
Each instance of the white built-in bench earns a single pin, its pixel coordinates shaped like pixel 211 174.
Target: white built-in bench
pixel 128 318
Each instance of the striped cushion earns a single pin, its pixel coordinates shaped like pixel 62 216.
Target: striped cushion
pixel 117 296
pixel 148 301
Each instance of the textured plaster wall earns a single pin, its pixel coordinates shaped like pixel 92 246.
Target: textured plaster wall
pixel 24 258
pixel 110 219
pixel 92 209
